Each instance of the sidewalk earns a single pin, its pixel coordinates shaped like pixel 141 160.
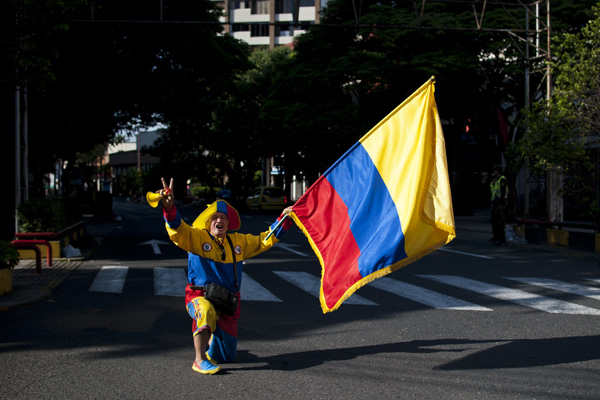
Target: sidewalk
pixel 29 288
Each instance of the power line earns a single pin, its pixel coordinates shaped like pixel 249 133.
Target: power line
pixel 326 25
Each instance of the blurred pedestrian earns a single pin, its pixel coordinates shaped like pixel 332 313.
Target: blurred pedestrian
pixel 499 194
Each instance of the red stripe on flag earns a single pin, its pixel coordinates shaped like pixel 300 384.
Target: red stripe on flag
pixel 325 218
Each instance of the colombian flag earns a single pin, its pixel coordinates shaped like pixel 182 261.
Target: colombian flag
pixel 383 204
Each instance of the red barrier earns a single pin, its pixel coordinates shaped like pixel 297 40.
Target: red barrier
pixel 26 245
pixel 33 245
pixel 30 240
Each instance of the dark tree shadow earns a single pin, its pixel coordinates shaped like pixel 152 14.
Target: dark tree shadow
pixel 509 354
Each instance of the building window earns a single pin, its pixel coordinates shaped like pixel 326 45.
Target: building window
pixel 259 6
pixel 259 30
pixel 240 27
pixel 287 6
pixel 282 30
pixel 284 6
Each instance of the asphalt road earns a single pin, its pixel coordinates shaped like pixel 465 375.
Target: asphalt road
pixel 470 321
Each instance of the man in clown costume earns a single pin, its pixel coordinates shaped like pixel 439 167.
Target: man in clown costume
pixel 210 260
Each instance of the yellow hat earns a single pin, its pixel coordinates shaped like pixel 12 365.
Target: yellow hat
pixel 203 220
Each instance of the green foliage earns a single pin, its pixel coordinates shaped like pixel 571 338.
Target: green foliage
pixel 131 182
pixel 47 215
pixel 9 256
pixel 562 133
pixel 237 140
pixel 577 76
pixel 27 32
pixel 94 79
pixel 551 139
pixel 581 187
pixel 202 191
pixel 227 108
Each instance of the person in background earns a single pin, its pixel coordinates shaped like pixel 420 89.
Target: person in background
pixel 499 193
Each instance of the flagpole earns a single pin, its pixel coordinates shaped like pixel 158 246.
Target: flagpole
pixel 276 227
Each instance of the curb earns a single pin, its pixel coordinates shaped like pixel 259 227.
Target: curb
pixel 24 296
pixel 29 287
pixel 561 238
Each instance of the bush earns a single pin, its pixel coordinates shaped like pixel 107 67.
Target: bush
pixel 46 215
pixel 9 256
pixel 201 191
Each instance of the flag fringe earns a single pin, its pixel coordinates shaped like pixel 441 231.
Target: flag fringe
pixel 382 272
pixel 377 274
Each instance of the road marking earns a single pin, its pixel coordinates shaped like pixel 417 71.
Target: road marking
pixel 513 295
pixel 288 247
pixel 424 296
pixel 464 253
pixel 154 243
pixel 572 288
pixel 312 285
pixel 110 279
pixel 170 282
pixel 254 291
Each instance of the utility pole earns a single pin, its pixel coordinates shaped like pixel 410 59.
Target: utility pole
pixel 17 154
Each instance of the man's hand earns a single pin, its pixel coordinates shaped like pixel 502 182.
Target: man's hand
pixel 287 210
pixel 166 193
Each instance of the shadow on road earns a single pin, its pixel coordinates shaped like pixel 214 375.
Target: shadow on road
pixel 508 354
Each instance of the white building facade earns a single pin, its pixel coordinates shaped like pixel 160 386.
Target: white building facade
pixel 269 23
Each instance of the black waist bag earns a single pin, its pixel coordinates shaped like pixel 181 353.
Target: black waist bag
pixel 221 298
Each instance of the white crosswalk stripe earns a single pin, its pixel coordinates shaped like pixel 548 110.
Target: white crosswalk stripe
pixel 312 285
pixel 580 290
pixel 110 279
pixel 514 295
pixel 424 296
pixel 172 282
pixel 253 291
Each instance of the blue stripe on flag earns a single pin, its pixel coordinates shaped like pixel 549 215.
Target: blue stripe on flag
pixel 374 218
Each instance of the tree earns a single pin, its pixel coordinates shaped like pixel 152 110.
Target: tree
pixel 95 70
pixel 307 105
pixel 239 141
pixel 563 132
pixel 345 76
pixel 365 58
pixel 27 53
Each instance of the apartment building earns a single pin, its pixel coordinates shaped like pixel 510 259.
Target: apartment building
pixel 269 23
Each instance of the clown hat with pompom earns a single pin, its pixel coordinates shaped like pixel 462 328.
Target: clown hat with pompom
pixel 203 220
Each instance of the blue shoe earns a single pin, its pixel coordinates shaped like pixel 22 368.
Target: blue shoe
pixel 206 367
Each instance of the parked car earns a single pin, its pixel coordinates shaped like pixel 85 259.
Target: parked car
pixel 267 198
